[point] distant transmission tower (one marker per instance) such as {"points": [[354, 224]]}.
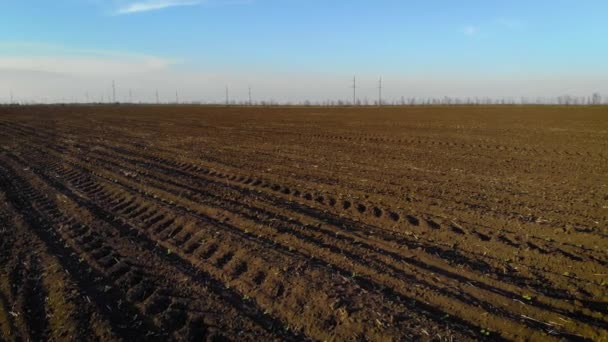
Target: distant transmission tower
{"points": [[86, 95], [12, 99], [130, 96], [250, 103], [380, 92], [354, 90], [113, 92], [157, 99], [227, 97], [176, 98]]}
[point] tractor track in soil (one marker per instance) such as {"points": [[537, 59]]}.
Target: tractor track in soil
{"points": [[163, 240]]}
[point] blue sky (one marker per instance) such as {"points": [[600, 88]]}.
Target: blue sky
{"points": [[295, 49]]}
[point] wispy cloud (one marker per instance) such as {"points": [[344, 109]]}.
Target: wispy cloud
{"points": [[470, 30], [496, 26], [153, 5], [511, 24], [59, 59]]}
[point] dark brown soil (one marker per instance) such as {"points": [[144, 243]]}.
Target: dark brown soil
{"points": [[202, 223]]}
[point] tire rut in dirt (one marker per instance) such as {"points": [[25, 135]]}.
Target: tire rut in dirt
{"points": [[138, 285]]}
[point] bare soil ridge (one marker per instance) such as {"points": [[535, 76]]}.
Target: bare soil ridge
{"points": [[191, 223]]}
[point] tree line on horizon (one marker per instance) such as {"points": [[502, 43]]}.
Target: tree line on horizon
{"points": [[567, 100]]}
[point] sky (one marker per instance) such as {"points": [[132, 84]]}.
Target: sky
{"points": [[293, 50]]}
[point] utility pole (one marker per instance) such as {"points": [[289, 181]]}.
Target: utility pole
{"points": [[157, 99], [227, 97], [113, 92], [250, 103], [354, 90], [380, 92]]}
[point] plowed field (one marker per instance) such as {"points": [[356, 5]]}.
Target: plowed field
{"points": [[194, 223]]}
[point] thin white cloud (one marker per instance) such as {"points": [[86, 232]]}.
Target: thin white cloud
{"points": [[493, 27], [470, 30], [154, 5], [34, 48], [59, 59], [511, 24], [82, 66]]}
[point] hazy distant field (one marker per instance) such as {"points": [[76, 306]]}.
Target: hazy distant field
{"points": [[314, 223]]}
